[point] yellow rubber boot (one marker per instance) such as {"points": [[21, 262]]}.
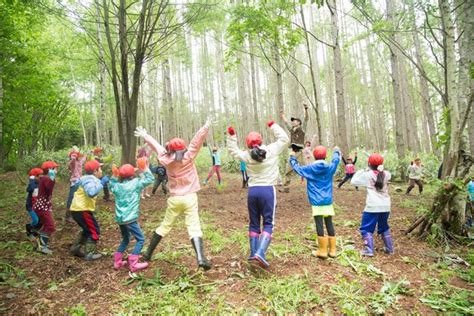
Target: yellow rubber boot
{"points": [[322, 252], [332, 246]]}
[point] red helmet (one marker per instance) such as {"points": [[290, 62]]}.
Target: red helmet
{"points": [[253, 139], [176, 144], [48, 165], [97, 150], [320, 152], [375, 160], [126, 171], [73, 153], [91, 166], [35, 172]]}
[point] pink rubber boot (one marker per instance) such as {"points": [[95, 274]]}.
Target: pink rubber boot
{"points": [[134, 265], [118, 262]]}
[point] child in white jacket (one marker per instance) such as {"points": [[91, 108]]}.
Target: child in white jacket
{"points": [[377, 205], [262, 167]]}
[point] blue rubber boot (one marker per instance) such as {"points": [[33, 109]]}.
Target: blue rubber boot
{"points": [[388, 243], [265, 240], [368, 244], [254, 243]]}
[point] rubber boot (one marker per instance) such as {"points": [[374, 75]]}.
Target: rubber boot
{"points": [[43, 244], [29, 232], [322, 252], [118, 262], [91, 248], [75, 249], [201, 259], [387, 241], [369, 245], [254, 243], [134, 265], [332, 246], [155, 240], [265, 240]]}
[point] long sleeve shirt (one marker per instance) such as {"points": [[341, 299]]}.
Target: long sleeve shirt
{"points": [[415, 172], [263, 173], [376, 201], [127, 196], [75, 168], [86, 195], [319, 177], [182, 175], [32, 191]]}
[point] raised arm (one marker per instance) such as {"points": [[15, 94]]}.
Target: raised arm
{"points": [[232, 146], [355, 158], [282, 141], [197, 141], [303, 171], [285, 120], [154, 145], [335, 160], [360, 179], [306, 117], [92, 187]]}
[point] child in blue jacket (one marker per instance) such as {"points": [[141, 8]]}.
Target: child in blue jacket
{"points": [[319, 176], [127, 190]]}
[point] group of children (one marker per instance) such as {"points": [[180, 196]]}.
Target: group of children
{"points": [[176, 160]]}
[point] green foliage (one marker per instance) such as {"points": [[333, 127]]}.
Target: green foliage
{"points": [[283, 295], [77, 310], [442, 296], [12, 276]]}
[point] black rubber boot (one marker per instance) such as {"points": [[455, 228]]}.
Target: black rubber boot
{"points": [[75, 249], [198, 247], [155, 240], [91, 247]]}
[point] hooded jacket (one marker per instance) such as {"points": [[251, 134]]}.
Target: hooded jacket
{"points": [[263, 173], [182, 175], [319, 177], [127, 196], [86, 194]]}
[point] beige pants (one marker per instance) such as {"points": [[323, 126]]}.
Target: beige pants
{"points": [[177, 205], [289, 171]]}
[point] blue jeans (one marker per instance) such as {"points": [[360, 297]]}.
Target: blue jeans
{"points": [[370, 220], [134, 229], [72, 190]]}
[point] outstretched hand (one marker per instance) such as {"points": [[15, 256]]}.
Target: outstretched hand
{"points": [[210, 121], [140, 132]]}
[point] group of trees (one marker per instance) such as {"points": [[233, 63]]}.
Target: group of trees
{"points": [[381, 75]]}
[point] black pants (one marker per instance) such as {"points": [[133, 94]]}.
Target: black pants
{"points": [[320, 227], [163, 182], [346, 178], [412, 183]]}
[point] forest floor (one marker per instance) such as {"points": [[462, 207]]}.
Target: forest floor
{"points": [[417, 279]]}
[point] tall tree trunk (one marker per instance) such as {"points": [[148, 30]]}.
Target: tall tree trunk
{"points": [[2, 148], [339, 80], [170, 124], [253, 74], [102, 130], [279, 84], [397, 99], [408, 109]]}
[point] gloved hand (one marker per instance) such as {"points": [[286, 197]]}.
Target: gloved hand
{"points": [[270, 123], [104, 180], [231, 131], [115, 171], [140, 132], [52, 174], [142, 163]]}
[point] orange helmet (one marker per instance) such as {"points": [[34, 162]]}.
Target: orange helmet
{"points": [[176, 144], [126, 171], [49, 164], [35, 172], [253, 139], [375, 160], [320, 152]]}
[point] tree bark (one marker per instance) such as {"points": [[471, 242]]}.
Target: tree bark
{"points": [[2, 149], [339, 80]]}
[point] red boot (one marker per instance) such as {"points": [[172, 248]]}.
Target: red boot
{"points": [[134, 265]]}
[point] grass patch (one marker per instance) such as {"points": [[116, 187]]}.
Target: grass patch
{"points": [[443, 297], [282, 295], [13, 277], [350, 257]]}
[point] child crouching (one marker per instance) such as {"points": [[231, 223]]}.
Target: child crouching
{"points": [[319, 176], [377, 205], [127, 190]]}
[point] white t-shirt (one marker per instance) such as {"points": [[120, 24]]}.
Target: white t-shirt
{"points": [[377, 201]]}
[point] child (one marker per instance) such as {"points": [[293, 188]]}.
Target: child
{"points": [[319, 176], [127, 190], [82, 211], [377, 205], [183, 184], [415, 171], [43, 205], [98, 152], [216, 166], [297, 130], [307, 155], [245, 177], [262, 163], [32, 189], [349, 166], [161, 178], [75, 168], [470, 204], [144, 153]]}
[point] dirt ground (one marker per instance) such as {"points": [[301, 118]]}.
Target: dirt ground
{"points": [[33, 283]]}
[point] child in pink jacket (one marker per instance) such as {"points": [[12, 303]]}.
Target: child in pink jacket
{"points": [[183, 184]]}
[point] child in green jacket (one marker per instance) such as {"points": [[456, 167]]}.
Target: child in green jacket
{"points": [[127, 189]]}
